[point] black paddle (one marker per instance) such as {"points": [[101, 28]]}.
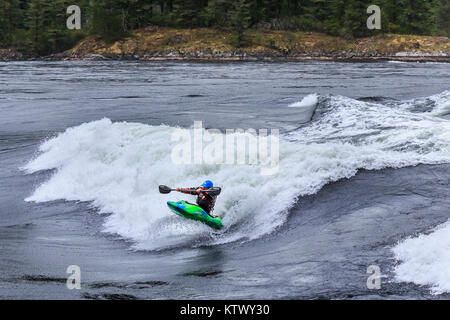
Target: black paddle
{"points": [[166, 189]]}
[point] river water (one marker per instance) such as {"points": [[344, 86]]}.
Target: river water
{"points": [[362, 182]]}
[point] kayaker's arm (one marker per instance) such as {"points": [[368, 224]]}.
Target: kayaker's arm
{"points": [[195, 191], [187, 190], [214, 192]]}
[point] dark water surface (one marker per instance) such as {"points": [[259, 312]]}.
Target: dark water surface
{"points": [[321, 251]]}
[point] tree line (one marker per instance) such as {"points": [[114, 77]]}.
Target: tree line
{"points": [[39, 26]]}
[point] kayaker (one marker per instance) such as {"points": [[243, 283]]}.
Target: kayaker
{"points": [[205, 199]]}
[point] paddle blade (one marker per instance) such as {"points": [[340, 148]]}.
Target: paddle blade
{"points": [[216, 190], [164, 189]]}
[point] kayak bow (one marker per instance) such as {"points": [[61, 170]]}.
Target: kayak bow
{"points": [[194, 212]]}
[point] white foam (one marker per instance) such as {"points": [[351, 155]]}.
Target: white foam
{"points": [[437, 105], [442, 104], [308, 101], [306, 107], [118, 167], [399, 62], [425, 260]]}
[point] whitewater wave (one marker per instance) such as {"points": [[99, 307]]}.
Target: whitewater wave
{"points": [[437, 105], [117, 166], [425, 259], [307, 102]]}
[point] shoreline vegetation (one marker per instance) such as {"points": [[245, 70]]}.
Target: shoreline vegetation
{"points": [[405, 30], [207, 44]]}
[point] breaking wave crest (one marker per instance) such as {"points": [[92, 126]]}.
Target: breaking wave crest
{"points": [[117, 166]]}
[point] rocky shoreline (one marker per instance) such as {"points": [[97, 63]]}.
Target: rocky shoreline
{"points": [[239, 56], [203, 44], [11, 55]]}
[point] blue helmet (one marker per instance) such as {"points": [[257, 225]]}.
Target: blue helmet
{"points": [[207, 184]]}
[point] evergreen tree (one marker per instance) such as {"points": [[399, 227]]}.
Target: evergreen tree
{"points": [[390, 11], [189, 13], [139, 13], [414, 16], [239, 17], [10, 16], [313, 15], [354, 22], [108, 20], [216, 13], [257, 11], [43, 22], [47, 26], [442, 17]]}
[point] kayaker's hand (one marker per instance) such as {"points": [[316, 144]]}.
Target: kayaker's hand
{"points": [[199, 190], [178, 189]]}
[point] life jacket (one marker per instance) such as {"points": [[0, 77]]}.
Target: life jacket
{"points": [[206, 201]]}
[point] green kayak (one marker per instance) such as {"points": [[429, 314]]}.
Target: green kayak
{"points": [[194, 212]]}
